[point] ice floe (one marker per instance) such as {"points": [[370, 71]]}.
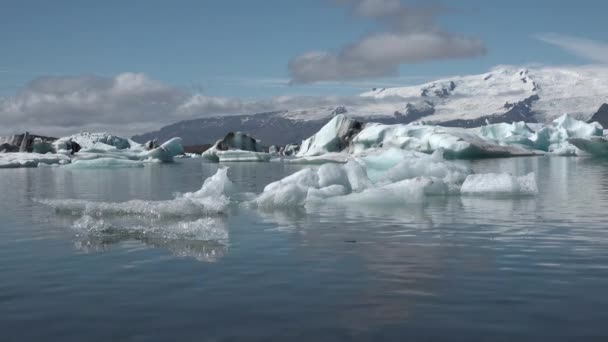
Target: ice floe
{"points": [[500, 184], [24, 159]]}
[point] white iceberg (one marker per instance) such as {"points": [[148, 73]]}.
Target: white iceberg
{"points": [[596, 146], [499, 184], [334, 136], [212, 198], [242, 156], [24, 159], [455, 142], [406, 178], [171, 148], [555, 138], [88, 140], [234, 147]]}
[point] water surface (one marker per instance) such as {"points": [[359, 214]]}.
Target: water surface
{"points": [[453, 268]]}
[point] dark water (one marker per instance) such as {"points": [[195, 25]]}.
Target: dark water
{"points": [[452, 269]]}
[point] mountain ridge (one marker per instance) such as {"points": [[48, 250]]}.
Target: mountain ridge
{"points": [[504, 94]]}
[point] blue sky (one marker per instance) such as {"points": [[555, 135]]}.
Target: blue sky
{"points": [[133, 66], [242, 47]]}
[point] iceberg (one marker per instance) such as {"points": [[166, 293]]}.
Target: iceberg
{"points": [[171, 148], [457, 143], [596, 146], [555, 138], [343, 138], [211, 199], [406, 178], [335, 136], [499, 184], [88, 140], [24, 159], [242, 156], [235, 147]]}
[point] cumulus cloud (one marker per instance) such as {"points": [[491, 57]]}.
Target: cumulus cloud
{"points": [[129, 103], [406, 35], [592, 50]]}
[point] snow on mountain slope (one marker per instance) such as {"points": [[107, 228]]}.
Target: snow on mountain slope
{"points": [[578, 91], [504, 94]]}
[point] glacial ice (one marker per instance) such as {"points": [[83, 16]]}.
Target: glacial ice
{"points": [[234, 147], [596, 146], [332, 137], [242, 156], [24, 159], [456, 142], [212, 198], [499, 184], [166, 151], [88, 140], [397, 177], [339, 141]]}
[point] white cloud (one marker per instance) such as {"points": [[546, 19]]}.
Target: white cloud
{"points": [[409, 35], [592, 50], [127, 104]]}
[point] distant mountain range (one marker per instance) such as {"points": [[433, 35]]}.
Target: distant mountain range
{"points": [[505, 94]]}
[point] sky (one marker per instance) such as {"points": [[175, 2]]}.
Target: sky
{"points": [[128, 66]]}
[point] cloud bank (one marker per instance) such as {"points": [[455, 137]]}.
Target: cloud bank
{"points": [[128, 104], [592, 50], [406, 35]]}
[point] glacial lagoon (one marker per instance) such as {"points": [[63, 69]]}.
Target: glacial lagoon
{"points": [[516, 267]]}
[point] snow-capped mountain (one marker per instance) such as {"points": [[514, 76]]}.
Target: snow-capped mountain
{"points": [[504, 94]]}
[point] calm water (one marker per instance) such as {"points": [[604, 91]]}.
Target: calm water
{"points": [[456, 268]]}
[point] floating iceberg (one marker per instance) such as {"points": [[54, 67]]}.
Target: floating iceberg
{"points": [[555, 138], [348, 137], [212, 198], [596, 146], [166, 151], [235, 147], [500, 184], [242, 156], [23, 159], [395, 176], [335, 136], [455, 142], [88, 140]]}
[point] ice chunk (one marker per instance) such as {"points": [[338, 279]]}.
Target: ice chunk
{"points": [[236, 142], [455, 142], [402, 192], [555, 138], [357, 176], [333, 174], [335, 136], [212, 198], [499, 184], [504, 133], [597, 146], [23, 159], [215, 186], [408, 179], [242, 156], [166, 151], [94, 140]]}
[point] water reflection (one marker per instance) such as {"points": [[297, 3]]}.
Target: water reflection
{"points": [[205, 239]]}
